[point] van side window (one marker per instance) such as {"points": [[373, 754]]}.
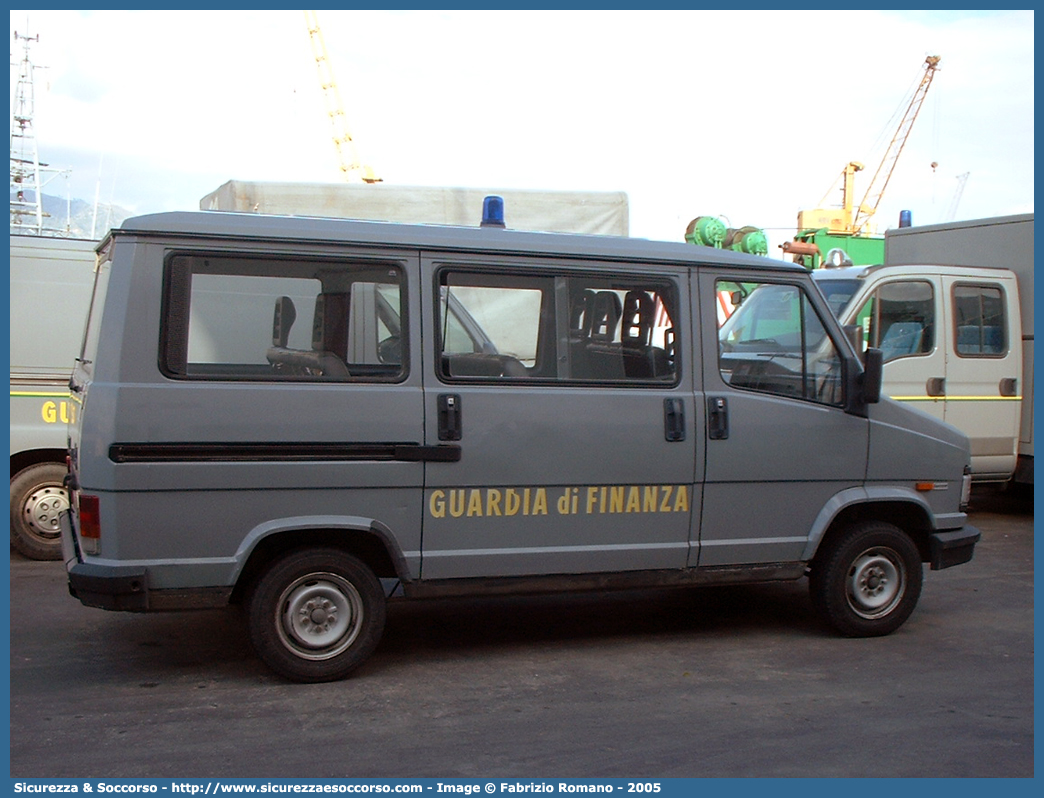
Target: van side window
{"points": [[563, 328], [899, 319], [979, 319], [775, 342], [245, 317]]}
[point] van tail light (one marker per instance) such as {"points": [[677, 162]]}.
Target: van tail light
{"points": [[90, 524]]}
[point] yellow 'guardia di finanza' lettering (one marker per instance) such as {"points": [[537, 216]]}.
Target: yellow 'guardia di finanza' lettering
{"points": [[590, 500]]}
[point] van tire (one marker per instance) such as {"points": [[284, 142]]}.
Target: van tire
{"points": [[866, 581], [38, 495], [316, 614]]}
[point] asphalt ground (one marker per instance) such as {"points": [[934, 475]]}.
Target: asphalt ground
{"points": [[698, 682]]}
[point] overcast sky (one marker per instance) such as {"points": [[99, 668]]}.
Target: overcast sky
{"points": [[749, 116]]}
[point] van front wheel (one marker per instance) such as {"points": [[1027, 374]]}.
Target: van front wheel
{"points": [[315, 615], [866, 582]]}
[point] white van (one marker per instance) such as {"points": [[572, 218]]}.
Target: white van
{"points": [[51, 283], [951, 338], [1000, 241], [313, 416]]}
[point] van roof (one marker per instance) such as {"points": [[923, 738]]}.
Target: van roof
{"points": [[222, 225], [862, 272]]}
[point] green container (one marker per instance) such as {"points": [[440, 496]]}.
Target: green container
{"points": [[863, 250]]}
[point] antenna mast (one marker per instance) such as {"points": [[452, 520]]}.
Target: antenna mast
{"points": [[28, 175]]}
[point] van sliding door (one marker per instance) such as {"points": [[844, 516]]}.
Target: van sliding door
{"points": [[565, 388]]}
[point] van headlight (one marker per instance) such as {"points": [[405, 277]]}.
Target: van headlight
{"points": [[966, 489]]}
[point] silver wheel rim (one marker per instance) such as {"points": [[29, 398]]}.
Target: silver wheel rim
{"points": [[319, 616], [876, 583], [42, 508]]}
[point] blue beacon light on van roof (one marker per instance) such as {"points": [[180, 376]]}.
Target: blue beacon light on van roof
{"points": [[493, 212]]}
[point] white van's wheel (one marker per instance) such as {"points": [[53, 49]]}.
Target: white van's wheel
{"points": [[315, 615], [867, 581], [38, 496]]}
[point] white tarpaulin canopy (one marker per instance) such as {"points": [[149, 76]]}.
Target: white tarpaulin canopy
{"points": [[593, 212]]}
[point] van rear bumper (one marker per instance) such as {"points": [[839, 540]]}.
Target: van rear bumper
{"points": [[110, 587], [952, 547], [126, 588]]}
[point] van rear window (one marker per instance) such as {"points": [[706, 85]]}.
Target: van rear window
{"points": [[979, 318], [245, 317]]}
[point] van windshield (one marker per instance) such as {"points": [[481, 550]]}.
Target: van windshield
{"points": [[838, 292]]}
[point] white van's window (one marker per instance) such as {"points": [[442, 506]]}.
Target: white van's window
{"points": [[562, 328], [979, 318], [899, 319], [775, 342], [229, 317], [92, 331]]}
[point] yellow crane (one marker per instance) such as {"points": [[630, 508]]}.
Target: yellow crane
{"points": [[874, 192], [822, 229], [851, 219], [352, 169]]}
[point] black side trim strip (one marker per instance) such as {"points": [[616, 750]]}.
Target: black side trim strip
{"points": [[554, 583], [280, 452]]}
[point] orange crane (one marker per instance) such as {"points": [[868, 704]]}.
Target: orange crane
{"points": [[352, 169]]}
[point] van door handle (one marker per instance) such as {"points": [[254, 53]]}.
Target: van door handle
{"points": [[1009, 386], [674, 419], [449, 417], [717, 418], [936, 386]]}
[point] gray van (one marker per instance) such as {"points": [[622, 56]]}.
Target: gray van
{"points": [[311, 417]]}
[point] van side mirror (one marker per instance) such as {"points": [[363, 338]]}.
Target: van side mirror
{"points": [[854, 334], [873, 370]]}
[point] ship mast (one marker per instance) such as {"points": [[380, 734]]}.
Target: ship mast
{"points": [[28, 175]]}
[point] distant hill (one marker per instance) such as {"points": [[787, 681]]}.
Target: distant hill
{"points": [[80, 217]]}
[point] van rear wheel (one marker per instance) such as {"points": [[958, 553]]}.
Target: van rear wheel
{"points": [[38, 497], [866, 582], [315, 615]]}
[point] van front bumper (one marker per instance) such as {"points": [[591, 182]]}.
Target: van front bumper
{"points": [[952, 547]]}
